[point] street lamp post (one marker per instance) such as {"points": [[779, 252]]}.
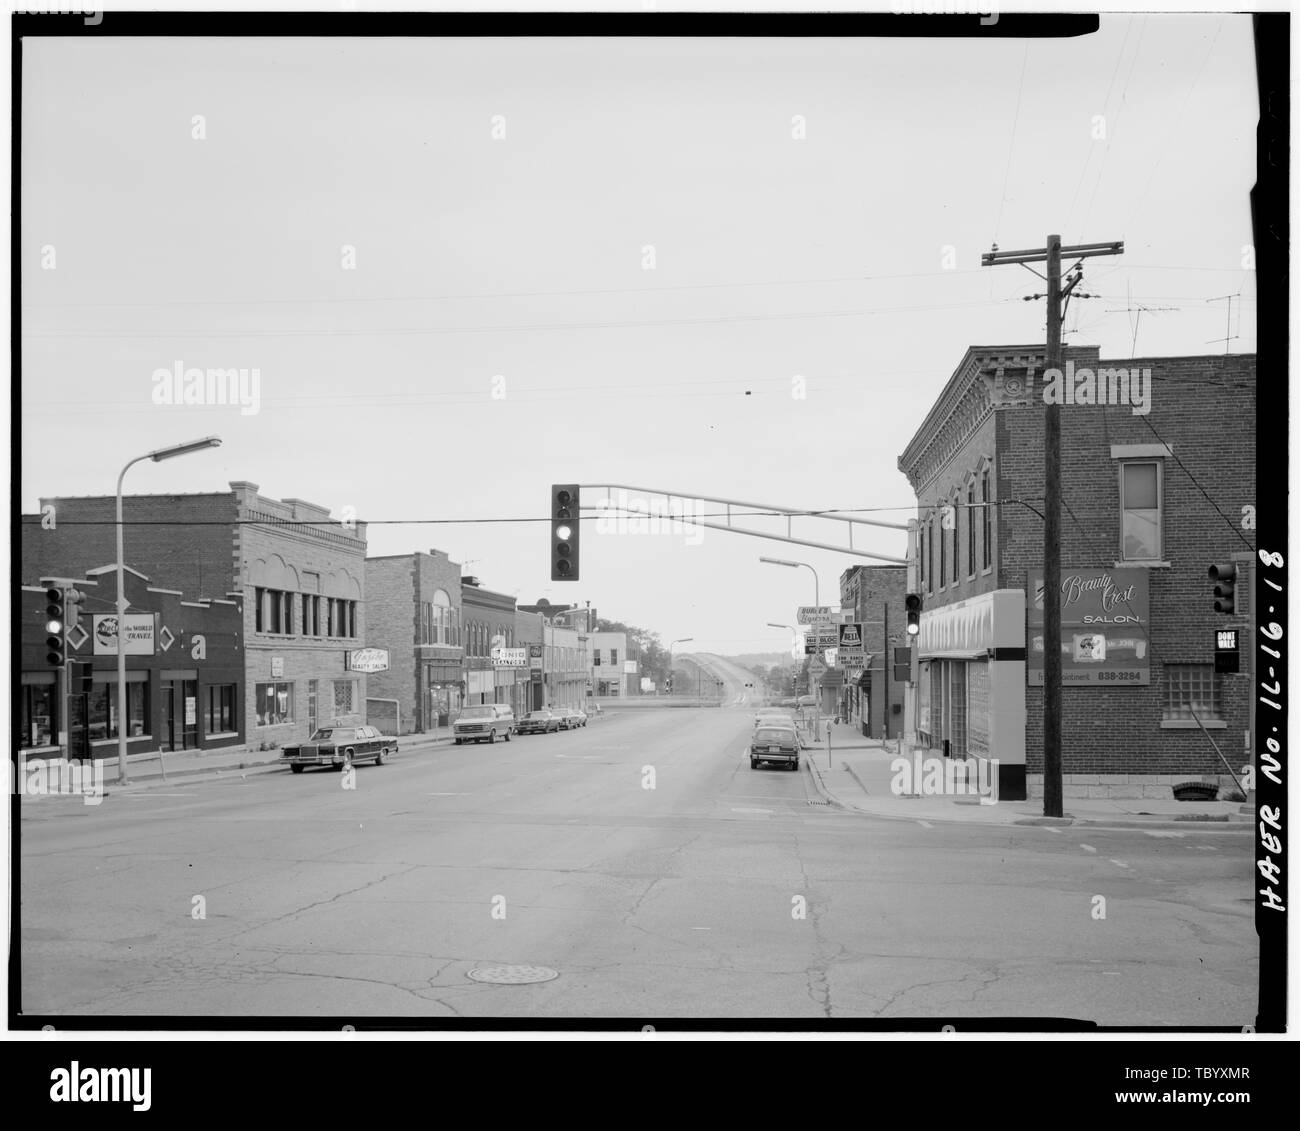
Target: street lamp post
{"points": [[683, 640], [817, 585], [157, 456], [817, 588]]}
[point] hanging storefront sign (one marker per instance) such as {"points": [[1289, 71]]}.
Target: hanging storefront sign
{"points": [[1105, 627], [367, 660]]}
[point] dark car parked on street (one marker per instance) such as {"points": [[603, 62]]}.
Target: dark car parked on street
{"points": [[341, 746], [538, 722], [774, 744]]}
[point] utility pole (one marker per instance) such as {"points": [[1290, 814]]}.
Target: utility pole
{"points": [[1051, 256]]}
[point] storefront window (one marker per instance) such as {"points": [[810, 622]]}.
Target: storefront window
{"points": [[219, 708], [345, 694], [274, 704], [102, 718], [39, 719]]}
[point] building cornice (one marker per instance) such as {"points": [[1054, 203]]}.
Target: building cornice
{"points": [[988, 378]]}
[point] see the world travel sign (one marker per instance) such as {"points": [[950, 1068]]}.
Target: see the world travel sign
{"points": [[1105, 627]]}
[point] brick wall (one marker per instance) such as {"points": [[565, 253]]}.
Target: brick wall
{"points": [[1204, 409], [878, 588], [183, 542], [392, 622]]}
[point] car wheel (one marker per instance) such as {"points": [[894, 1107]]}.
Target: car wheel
{"points": [[507, 734], [297, 769], [492, 737], [382, 756], [347, 761], [753, 763]]}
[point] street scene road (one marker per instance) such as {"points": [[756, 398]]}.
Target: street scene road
{"points": [[642, 860]]}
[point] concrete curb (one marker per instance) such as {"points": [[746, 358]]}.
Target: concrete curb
{"points": [[195, 775], [816, 775], [816, 772], [854, 775]]}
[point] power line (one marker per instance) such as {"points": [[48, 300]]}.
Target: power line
{"points": [[403, 331], [1011, 147]]}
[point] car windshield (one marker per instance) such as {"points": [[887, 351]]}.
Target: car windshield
{"points": [[538, 715], [328, 734], [476, 713], [774, 734]]}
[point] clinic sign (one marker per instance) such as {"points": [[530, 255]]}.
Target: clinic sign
{"points": [[1105, 627], [139, 634]]}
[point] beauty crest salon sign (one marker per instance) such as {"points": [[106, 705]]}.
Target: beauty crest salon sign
{"points": [[368, 660], [1105, 627]]}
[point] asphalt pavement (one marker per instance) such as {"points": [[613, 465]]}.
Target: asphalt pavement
{"points": [[639, 866]]}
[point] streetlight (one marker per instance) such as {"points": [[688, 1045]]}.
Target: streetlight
{"points": [[158, 456], [817, 585], [683, 640]]}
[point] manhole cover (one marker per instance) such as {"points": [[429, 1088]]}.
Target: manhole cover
{"points": [[513, 975]]}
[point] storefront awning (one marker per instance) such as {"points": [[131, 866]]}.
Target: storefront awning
{"points": [[972, 628]]}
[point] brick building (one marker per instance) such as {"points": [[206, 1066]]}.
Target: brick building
{"points": [[489, 622], [413, 611], [298, 574], [870, 697], [184, 669], [1137, 535]]}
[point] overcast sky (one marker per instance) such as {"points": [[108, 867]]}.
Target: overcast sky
{"points": [[520, 257]]}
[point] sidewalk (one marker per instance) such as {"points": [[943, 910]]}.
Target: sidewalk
{"points": [[189, 766], [856, 774], [201, 765]]}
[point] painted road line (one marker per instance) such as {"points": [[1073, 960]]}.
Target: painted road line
{"points": [[1087, 848], [925, 824], [1118, 863], [1162, 833]]}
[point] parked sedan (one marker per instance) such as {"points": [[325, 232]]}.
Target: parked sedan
{"points": [[571, 718], [339, 747], [778, 744], [776, 719], [538, 722]]}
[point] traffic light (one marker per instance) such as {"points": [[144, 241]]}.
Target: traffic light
{"points": [[912, 602], [55, 624], [72, 599], [668, 683], [1225, 574], [565, 528]]}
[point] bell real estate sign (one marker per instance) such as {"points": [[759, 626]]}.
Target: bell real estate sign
{"points": [[139, 634], [368, 660], [1105, 627], [509, 657]]}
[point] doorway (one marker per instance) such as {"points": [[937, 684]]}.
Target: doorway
{"points": [[180, 714]]}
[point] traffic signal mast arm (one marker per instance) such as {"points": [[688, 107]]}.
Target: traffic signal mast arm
{"points": [[686, 508]]}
